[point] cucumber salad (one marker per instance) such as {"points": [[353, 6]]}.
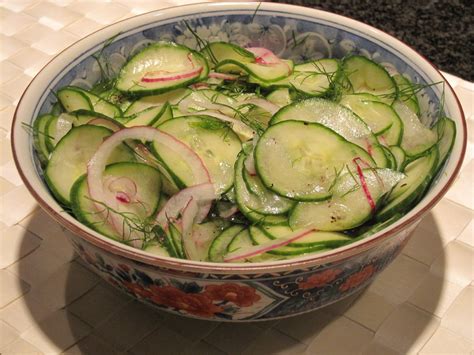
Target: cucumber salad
{"points": [[230, 154]]}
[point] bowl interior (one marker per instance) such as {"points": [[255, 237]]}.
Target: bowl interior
{"points": [[291, 32]]}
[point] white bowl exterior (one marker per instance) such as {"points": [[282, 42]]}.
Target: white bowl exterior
{"points": [[84, 48]]}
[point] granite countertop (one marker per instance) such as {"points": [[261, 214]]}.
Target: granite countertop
{"points": [[441, 30], [51, 303]]}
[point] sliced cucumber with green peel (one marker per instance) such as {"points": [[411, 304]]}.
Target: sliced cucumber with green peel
{"points": [[40, 136], [339, 119], [315, 78], [219, 245], [380, 117], [399, 155], [260, 199], [146, 181], [406, 93], [265, 73], [392, 163], [73, 99], [204, 236], [417, 139], [151, 116], [419, 174], [300, 160], [243, 196], [216, 52], [156, 248], [205, 99], [240, 241], [367, 76], [211, 139], [328, 239], [280, 97], [175, 241], [259, 237], [354, 201], [161, 67], [69, 159], [172, 97], [446, 130]]}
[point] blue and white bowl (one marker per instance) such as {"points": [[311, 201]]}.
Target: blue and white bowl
{"points": [[236, 292]]}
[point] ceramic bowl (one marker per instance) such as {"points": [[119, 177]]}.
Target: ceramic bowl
{"points": [[237, 292]]}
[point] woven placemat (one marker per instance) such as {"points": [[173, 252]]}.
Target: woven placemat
{"points": [[50, 303]]}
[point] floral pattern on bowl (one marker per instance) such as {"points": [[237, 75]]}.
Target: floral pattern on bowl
{"points": [[250, 297]]}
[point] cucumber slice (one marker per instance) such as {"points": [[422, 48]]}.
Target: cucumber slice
{"points": [[368, 230], [261, 199], [419, 174], [280, 97], [40, 136], [150, 116], [219, 245], [336, 117], [156, 249], [399, 155], [69, 159], [73, 99], [213, 140], [241, 241], [175, 242], [380, 117], [417, 139], [161, 67], [315, 78], [242, 196], [365, 75], [392, 163], [172, 97], [216, 52], [261, 72], [446, 131], [300, 160], [145, 178], [406, 93], [204, 236], [259, 237], [204, 99], [57, 127], [328, 239], [352, 203]]}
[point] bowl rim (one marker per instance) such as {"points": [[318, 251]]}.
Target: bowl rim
{"points": [[308, 261]]}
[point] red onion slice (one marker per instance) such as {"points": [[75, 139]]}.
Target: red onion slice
{"points": [[202, 194], [264, 247], [161, 75], [224, 76], [96, 167], [365, 188], [264, 56], [264, 104]]}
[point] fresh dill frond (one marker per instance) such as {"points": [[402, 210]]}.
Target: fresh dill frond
{"points": [[255, 12], [34, 130]]}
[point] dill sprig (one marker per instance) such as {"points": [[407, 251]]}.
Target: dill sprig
{"points": [[255, 12], [105, 80], [34, 130], [249, 121], [131, 223]]}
